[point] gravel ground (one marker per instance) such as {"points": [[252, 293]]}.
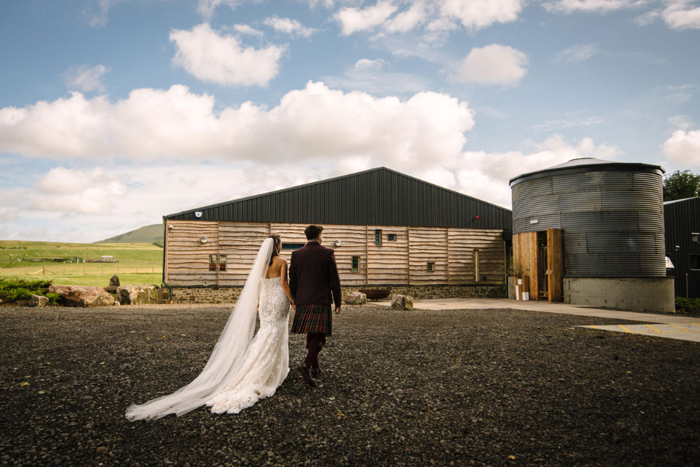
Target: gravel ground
{"points": [[494, 387]]}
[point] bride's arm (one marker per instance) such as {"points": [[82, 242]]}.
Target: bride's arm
{"points": [[285, 284]]}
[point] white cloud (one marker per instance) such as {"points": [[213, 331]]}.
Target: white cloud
{"points": [[77, 192], [365, 64], [647, 18], [492, 65], [85, 78], [409, 19], [247, 30], [682, 122], [683, 147], [562, 124], [368, 75], [682, 14], [477, 14], [485, 175], [355, 19], [311, 123], [220, 59], [289, 26], [100, 18], [577, 53], [206, 7], [440, 16], [590, 6]]}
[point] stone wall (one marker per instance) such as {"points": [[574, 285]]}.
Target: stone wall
{"points": [[204, 294], [231, 294]]}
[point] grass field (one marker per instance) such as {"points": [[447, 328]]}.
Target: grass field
{"points": [[138, 263]]}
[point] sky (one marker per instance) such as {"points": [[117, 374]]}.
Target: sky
{"points": [[114, 113]]}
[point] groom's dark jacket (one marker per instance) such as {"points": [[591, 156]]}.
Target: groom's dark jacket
{"points": [[313, 276]]}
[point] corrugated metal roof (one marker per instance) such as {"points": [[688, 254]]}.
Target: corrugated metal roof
{"points": [[379, 196], [587, 164]]}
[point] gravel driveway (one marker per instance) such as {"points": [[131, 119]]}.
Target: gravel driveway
{"points": [[471, 387]]}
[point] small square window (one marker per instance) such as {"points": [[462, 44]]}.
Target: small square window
{"points": [[377, 237], [292, 246], [431, 266], [222, 262], [694, 261], [355, 264], [212, 262], [695, 237], [392, 237]]}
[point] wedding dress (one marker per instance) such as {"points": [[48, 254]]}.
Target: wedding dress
{"points": [[267, 361], [241, 370]]}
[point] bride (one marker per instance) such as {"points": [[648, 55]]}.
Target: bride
{"points": [[241, 369]]}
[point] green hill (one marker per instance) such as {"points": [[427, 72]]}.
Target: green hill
{"points": [[148, 234]]}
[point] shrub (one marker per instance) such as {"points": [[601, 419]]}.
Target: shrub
{"points": [[53, 297], [691, 305], [19, 293], [21, 289]]}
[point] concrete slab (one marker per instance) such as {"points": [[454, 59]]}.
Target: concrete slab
{"points": [[666, 325], [684, 332]]}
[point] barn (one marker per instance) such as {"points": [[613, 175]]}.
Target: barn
{"points": [[388, 230], [682, 223]]}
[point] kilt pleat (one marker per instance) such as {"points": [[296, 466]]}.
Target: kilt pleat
{"points": [[313, 318]]}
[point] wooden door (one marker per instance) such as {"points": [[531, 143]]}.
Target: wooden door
{"points": [[555, 265]]}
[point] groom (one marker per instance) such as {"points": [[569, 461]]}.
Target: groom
{"points": [[313, 275]]}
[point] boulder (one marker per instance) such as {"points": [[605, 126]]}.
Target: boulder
{"points": [[402, 302], [356, 298], [114, 281], [137, 294], [82, 295], [38, 300]]}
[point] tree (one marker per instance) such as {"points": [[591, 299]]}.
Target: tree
{"points": [[680, 185]]}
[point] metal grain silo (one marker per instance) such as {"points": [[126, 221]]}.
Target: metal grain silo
{"points": [[591, 232]]}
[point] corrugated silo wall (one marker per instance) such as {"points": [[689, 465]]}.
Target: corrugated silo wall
{"points": [[612, 220]]}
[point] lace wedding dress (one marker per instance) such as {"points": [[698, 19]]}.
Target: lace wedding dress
{"points": [[266, 363], [241, 370]]}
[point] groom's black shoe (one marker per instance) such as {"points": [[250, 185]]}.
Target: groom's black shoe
{"points": [[315, 373], [304, 370]]}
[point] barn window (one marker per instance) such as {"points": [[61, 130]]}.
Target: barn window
{"points": [[222, 262], [476, 266], [694, 261], [431, 266], [392, 237], [695, 237], [355, 264], [212, 262], [378, 237], [292, 246]]}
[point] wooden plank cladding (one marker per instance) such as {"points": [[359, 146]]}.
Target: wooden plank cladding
{"points": [[366, 255]]}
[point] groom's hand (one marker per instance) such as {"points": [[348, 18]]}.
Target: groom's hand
{"points": [[337, 310]]}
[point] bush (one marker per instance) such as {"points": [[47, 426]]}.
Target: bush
{"points": [[19, 294], [53, 297], [21, 289], [691, 305]]}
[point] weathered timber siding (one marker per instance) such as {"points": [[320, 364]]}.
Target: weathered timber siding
{"points": [[400, 262], [388, 263], [187, 258]]}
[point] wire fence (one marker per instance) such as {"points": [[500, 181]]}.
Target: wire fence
{"points": [[89, 270]]}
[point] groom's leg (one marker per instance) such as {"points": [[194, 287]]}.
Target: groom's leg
{"points": [[314, 344]]}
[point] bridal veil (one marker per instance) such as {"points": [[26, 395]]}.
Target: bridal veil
{"points": [[226, 358]]}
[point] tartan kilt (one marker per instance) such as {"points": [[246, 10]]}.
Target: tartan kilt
{"points": [[313, 318]]}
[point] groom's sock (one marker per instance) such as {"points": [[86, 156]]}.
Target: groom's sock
{"points": [[314, 343]]}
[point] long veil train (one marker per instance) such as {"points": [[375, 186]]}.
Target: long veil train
{"points": [[226, 358]]}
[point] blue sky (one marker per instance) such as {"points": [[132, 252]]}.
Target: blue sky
{"points": [[116, 112]]}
